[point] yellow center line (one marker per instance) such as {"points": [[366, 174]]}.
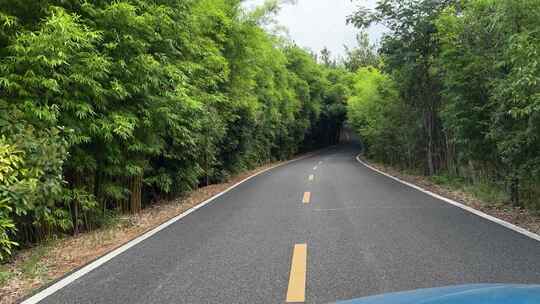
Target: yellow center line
{"points": [[311, 177], [296, 293], [307, 197]]}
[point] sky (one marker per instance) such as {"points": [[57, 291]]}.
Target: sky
{"points": [[316, 24]]}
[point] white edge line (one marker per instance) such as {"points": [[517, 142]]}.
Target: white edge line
{"points": [[452, 202], [107, 257]]}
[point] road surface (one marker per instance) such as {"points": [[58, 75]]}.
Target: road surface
{"points": [[319, 230]]}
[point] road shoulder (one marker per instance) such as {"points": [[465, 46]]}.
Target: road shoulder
{"points": [[520, 220], [48, 267]]}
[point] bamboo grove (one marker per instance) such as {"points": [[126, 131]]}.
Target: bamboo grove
{"points": [[456, 94], [109, 106]]}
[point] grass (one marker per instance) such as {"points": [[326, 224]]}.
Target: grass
{"points": [[483, 190], [5, 275], [33, 267], [448, 181], [489, 193]]}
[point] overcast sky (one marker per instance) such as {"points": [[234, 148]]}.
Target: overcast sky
{"points": [[316, 24]]}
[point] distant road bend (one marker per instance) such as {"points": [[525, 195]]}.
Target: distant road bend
{"points": [[317, 230]]}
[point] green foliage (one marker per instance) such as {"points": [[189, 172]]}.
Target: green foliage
{"points": [[363, 55], [408, 52], [5, 275], [10, 162], [491, 79], [107, 106], [467, 77], [376, 111]]}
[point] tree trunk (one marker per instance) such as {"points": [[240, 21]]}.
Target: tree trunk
{"points": [[429, 129], [514, 192], [76, 181], [135, 199], [75, 217]]}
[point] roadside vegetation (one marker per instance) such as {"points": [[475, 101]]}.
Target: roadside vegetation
{"points": [[41, 264], [455, 95], [109, 106]]}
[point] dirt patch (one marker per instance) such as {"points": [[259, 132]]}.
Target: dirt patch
{"points": [[520, 217], [35, 267]]}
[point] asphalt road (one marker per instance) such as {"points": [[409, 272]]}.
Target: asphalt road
{"points": [[364, 234]]}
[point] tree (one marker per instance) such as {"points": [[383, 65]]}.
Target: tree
{"points": [[468, 82], [382, 120], [326, 58], [409, 50], [363, 55], [488, 60], [109, 106]]}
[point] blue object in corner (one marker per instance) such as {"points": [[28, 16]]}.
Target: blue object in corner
{"points": [[463, 294]]}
